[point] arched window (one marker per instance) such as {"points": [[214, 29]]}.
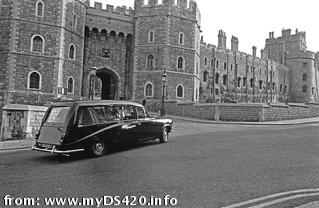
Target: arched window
{"points": [[205, 62], [212, 63], [251, 83], [148, 91], [217, 78], [225, 66], [150, 61], [260, 84], [217, 64], [151, 36], [75, 21], [239, 82], [181, 38], [37, 44], [180, 63], [280, 88], [180, 91], [39, 8], [205, 76], [224, 79], [304, 77], [245, 82], [70, 85], [304, 88], [72, 52], [34, 80]]}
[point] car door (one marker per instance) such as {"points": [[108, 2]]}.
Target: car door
{"points": [[147, 128], [130, 130]]}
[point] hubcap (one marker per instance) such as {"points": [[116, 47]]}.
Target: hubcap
{"points": [[99, 147]]}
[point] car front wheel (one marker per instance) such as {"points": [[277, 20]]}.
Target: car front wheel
{"points": [[98, 148], [164, 135]]}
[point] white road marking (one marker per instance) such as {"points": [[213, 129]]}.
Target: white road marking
{"points": [[271, 196], [277, 201]]}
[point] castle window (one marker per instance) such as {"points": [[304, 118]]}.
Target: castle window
{"points": [[70, 86], [72, 52], [217, 64], [273, 86], [231, 67], [225, 66], [216, 91], [205, 77], [313, 90], [74, 23], [212, 63], [238, 81], [37, 44], [224, 79], [285, 89], [39, 9], [34, 80], [181, 38], [148, 91], [304, 64], [180, 63], [260, 72], [245, 82], [150, 61], [251, 83], [205, 61], [304, 77], [151, 36], [180, 91], [260, 84], [304, 88], [280, 88], [217, 78]]}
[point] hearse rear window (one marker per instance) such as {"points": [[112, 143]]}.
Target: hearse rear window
{"points": [[57, 115]]}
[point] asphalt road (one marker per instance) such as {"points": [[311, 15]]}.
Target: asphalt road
{"points": [[203, 165]]}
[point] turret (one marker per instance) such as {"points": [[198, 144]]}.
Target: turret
{"points": [[222, 39]]}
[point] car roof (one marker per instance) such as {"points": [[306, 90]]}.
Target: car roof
{"points": [[94, 102]]}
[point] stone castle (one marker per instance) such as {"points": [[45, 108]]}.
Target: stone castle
{"points": [[48, 48]]}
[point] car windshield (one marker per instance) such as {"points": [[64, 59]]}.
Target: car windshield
{"points": [[57, 115]]}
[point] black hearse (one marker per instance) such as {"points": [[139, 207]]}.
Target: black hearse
{"points": [[74, 126]]}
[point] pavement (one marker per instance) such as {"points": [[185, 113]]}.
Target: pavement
{"points": [[310, 205], [24, 144]]}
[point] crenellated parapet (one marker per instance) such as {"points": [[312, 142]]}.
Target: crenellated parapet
{"points": [[112, 10], [171, 7]]}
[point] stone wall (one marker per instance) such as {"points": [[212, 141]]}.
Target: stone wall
{"points": [[247, 112]]}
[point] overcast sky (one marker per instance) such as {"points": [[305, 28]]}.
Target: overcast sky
{"points": [[252, 20]]}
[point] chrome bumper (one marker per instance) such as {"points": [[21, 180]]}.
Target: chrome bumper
{"points": [[54, 150]]}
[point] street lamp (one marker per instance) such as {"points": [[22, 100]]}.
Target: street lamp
{"points": [[164, 76], [92, 82]]}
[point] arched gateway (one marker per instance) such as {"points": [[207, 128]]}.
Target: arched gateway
{"points": [[107, 84]]}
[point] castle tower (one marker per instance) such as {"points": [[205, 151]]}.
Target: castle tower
{"points": [[167, 37], [291, 50], [43, 51], [222, 39]]}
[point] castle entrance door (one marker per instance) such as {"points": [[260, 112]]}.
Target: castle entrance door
{"points": [[107, 85]]}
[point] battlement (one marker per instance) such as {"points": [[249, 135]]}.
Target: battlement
{"points": [[111, 9], [173, 7]]}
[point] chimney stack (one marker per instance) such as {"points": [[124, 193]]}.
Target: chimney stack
{"points": [[234, 43]]}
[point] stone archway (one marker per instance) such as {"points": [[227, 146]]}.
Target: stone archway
{"points": [[108, 85]]}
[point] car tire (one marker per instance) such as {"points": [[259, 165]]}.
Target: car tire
{"points": [[98, 148], [164, 135]]}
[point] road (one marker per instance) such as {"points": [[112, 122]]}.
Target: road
{"points": [[203, 165]]}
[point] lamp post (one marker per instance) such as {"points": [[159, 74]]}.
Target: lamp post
{"points": [[92, 82], [164, 75]]}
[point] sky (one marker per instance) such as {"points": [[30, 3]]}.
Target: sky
{"points": [[252, 20]]}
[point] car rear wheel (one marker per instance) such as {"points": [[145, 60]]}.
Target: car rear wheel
{"points": [[98, 148], [164, 135]]}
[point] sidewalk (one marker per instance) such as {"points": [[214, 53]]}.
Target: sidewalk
{"points": [[268, 123], [24, 144], [310, 205]]}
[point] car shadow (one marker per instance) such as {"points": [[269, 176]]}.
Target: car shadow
{"points": [[113, 149]]}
